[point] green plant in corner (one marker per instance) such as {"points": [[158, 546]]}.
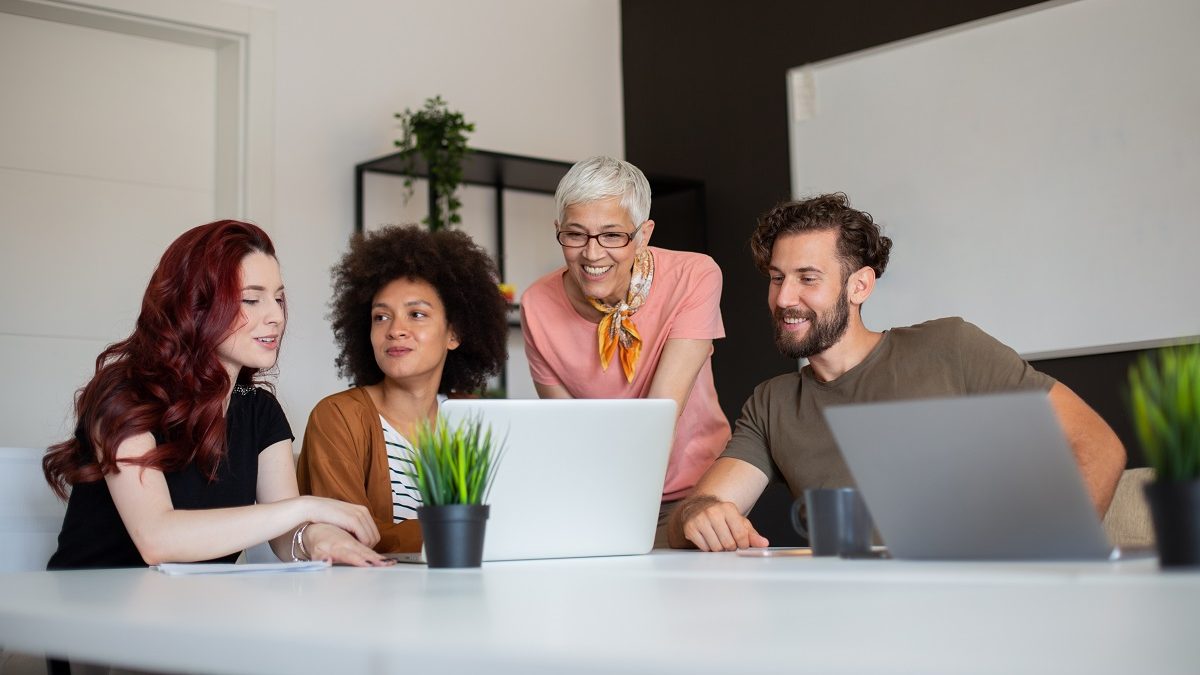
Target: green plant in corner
{"points": [[439, 136], [454, 464], [1164, 401]]}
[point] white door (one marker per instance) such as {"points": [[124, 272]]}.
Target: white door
{"points": [[110, 147]]}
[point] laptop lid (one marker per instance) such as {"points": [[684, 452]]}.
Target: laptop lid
{"points": [[987, 477], [579, 477]]}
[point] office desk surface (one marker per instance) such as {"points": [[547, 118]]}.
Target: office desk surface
{"points": [[669, 612]]}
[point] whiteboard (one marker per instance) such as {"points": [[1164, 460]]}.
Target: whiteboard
{"points": [[1038, 172]]}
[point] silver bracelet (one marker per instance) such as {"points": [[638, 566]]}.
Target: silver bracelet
{"points": [[298, 540]]}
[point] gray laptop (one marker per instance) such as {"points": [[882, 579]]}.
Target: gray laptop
{"points": [[579, 477], [987, 477]]}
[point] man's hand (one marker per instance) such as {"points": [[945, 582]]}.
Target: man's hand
{"points": [[713, 525]]}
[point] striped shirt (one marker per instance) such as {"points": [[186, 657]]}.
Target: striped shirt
{"points": [[405, 498]]}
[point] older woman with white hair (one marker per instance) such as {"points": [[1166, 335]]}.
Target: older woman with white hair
{"points": [[624, 319]]}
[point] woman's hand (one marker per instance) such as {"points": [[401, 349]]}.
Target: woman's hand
{"points": [[326, 542], [352, 518]]}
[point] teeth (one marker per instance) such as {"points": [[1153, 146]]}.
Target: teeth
{"points": [[793, 320], [265, 339], [595, 270]]}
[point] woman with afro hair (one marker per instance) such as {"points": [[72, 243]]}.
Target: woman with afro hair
{"points": [[417, 316]]}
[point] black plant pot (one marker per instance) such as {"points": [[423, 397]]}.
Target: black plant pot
{"points": [[1175, 509], [453, 534]]}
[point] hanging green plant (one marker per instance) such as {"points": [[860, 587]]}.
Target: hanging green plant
{"points": [[439, 136]]}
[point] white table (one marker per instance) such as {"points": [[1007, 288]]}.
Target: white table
{"points": [[670, 612]]}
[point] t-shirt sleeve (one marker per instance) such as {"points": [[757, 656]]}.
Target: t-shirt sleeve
{"points": [[988, 365], [699, 315], [749, 442], [270, 422], [533, 311]]}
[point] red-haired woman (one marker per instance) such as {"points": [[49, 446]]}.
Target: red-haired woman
{"points": [[178, 456]]}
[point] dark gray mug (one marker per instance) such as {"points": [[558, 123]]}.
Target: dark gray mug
{"points": [[838, 522]]}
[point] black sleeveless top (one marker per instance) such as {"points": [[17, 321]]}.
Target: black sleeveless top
{"points": [[93, 534]]}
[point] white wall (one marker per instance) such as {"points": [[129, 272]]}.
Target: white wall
{"points": [[1037, 171], [537, 77], [88, 199]]}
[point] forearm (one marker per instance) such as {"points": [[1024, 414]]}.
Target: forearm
{"points": [[191, 535], [675, 376], [282, 545], [722, 497]]}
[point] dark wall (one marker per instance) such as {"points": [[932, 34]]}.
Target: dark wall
{"points": [[705, 98], [1100, 380]]}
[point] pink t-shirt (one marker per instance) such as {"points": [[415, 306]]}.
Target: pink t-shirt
{"points": [[684, 302]]}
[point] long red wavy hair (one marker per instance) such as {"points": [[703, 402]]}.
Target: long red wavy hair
{"points": [[166, 377]]}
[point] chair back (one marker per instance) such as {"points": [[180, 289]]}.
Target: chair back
{"points": [[1128, 521], [30, 514]]}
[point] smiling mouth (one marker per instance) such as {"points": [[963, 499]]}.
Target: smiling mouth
{"points": [[596, 271], [792, 321], [268, 341]]}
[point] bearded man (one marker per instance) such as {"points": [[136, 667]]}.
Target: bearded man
{"points": [[823, 258]]}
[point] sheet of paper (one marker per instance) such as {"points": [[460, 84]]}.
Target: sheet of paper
{"points": [[776, 552], [180, 569]]}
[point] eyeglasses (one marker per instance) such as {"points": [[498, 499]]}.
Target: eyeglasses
{"points": [[573, 239]]}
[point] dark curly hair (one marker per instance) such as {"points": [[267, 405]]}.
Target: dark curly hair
{"points": [[860, 243], [464, 277]]}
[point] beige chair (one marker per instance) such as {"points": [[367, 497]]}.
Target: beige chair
{"points": [[1127, 522]]}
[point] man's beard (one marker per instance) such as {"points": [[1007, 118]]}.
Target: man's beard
{"points": [[823, 331]]}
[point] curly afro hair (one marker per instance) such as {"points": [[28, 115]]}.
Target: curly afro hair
{"points": [[464, 277]]}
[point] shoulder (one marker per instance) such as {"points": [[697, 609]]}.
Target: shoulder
{"points": [[545, 295], [136, 445], [687, 274], [769, 400], [545, 286], [951, 328], [953, 338], [684, 262], [783, 386], [349, 403], [254, 399]]}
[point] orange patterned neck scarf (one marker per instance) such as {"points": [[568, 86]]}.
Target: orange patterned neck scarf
{"points": [[616, 332]]}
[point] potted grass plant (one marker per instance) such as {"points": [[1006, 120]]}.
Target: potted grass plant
{"points": [[452, 468], [1164, 401]]}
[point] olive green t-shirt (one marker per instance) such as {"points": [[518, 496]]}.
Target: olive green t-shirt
{"points": [[783, 433]]}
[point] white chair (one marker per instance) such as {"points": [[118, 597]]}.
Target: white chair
{"points": [[30, 518], [30, 514]]}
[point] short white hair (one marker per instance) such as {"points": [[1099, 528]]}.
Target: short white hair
{"points": [[601, 177]]}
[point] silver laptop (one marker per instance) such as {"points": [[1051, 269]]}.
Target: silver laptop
{"points": [[987, 477], [578, 478]]}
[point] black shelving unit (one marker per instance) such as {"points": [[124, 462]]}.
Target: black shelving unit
{"points": [[675, 199]]}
